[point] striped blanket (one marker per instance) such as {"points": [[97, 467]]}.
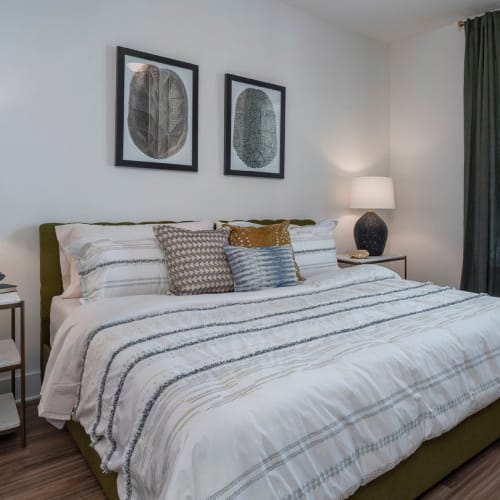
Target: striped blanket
{"points": [[305, 392]]}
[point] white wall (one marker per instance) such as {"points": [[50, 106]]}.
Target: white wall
{"points": [[426, 150], [57, 95]]}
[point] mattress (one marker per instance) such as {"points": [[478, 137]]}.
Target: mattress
{"points": [[309, 391], [60, 309]]}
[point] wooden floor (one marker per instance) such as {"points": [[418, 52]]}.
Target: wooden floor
{"points": [[51, 467]]}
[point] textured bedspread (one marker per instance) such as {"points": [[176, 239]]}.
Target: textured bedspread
{"points": [[303, 392]]}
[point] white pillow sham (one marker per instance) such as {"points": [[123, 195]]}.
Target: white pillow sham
{"points": [[119, 268], [76, 235], [314, 247]]}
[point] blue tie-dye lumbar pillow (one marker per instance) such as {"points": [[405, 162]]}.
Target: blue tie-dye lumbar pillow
{"points": [[261, 267]]}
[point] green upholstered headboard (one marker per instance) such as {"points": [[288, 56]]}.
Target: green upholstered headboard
{"points": [[50, 272]]}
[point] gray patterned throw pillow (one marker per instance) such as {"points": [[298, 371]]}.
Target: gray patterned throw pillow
{"points": [[196, 260]]}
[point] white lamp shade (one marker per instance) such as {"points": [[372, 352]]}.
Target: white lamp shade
{"points": [[372, 193]]}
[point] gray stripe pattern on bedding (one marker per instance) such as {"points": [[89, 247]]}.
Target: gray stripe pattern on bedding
{"points": [[281, 456], [148, 354], [337, 468], [168, 383], [193, 363], [239, 331], [92, 335]]}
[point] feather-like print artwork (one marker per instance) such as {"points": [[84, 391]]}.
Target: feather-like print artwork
{"points": [[157, 111]]}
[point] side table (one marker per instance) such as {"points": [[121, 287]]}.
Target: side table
{"points": [[12, 359], [347, 259]]}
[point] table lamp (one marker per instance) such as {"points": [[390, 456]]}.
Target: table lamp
{"points": [[370, 231]]}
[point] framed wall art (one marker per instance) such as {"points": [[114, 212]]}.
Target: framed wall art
{"points": [[156, 112], [254, 128]]}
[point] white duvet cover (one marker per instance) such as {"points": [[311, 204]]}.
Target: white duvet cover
{"points": [[308, 391]]}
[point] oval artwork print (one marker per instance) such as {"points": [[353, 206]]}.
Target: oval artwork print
{"points": [[157, 111], [255, 138]]}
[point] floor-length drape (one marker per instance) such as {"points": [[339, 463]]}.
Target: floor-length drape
{"points": [[481, 263]]}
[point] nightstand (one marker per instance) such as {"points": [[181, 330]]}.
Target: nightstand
{"points": [[12, 359], [347, 259]]}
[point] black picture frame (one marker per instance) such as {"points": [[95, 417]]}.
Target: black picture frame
{"points": [[234, 165], [123, 137]]}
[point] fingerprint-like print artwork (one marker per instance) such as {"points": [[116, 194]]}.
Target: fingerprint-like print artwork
{"points": [[254, 137], [157, 111]]}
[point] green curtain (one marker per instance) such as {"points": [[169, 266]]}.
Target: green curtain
{"points": [[481, 263]]}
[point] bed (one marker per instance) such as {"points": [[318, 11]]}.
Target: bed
{"points": [[433, 456]]}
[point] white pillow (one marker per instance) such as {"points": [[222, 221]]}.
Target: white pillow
{"points": [[119, 268], [75, 235], [314, 247]]}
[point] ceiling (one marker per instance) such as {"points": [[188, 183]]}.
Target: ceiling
{"points": [[392, 20]]}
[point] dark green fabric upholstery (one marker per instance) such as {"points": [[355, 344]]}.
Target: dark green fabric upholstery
{"points": [[50, 279]]}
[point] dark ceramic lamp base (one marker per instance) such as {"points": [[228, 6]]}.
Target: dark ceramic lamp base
{"points": [[370, 233]]}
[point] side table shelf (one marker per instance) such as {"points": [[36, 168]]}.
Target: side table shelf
{"points": [[9, 418], [12, 359]]}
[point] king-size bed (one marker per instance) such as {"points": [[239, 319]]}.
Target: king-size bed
{"points": [[354, 382]]}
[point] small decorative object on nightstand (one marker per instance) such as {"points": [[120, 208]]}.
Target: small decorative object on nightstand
{"points": [[12, 359], [370, 232], [345, 258], [360, 254]]}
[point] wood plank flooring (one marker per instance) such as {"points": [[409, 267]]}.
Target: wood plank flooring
{"points": [[51, 467], [478, 479]]}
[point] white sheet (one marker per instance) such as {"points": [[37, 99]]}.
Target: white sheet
{"points": [[60, 309], [309, 391]]}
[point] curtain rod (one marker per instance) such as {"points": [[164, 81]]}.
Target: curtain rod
{"points": [[461, 22]]}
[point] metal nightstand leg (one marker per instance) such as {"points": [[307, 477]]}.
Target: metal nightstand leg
{"points": [[23, 382], [13, 337]]}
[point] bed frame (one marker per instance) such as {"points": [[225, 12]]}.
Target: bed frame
{"points": [[434, 460]]}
